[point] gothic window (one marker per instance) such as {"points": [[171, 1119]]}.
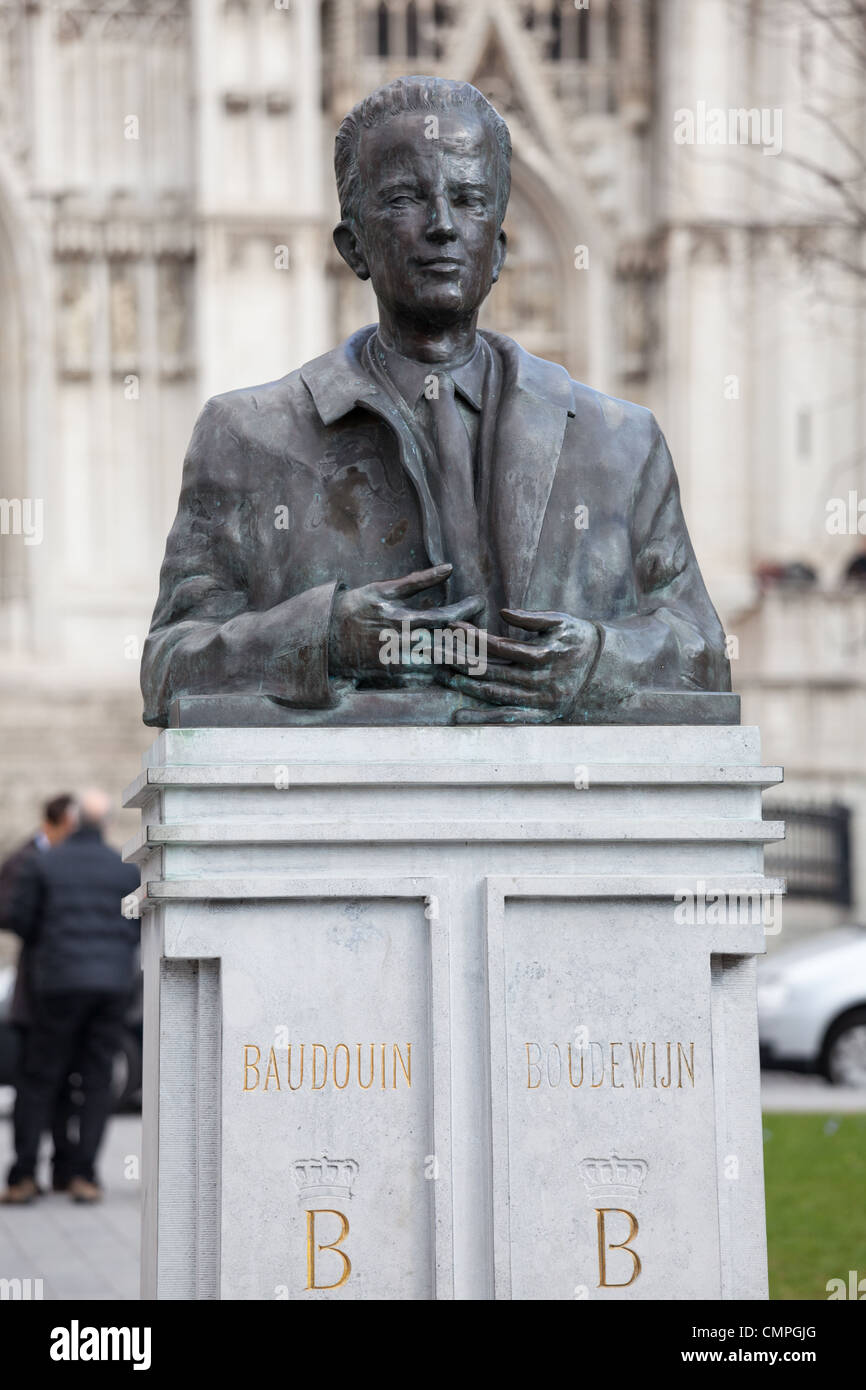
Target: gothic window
{"points": [[396, 30], [568, 30], [411, 30], [382, 30], [583, 36], [554, 51], [612, 30], [583, 46]]}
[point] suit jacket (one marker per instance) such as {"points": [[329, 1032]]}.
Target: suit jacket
{"points": [[65, 905], [312, 482]]}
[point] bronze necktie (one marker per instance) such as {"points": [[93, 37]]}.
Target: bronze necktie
{"points": [[454, 492]]}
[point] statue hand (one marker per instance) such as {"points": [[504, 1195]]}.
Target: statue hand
{"points": [[355, 645], [543, 674]]}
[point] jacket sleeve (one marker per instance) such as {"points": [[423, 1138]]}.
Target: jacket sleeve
{"points": [[674, 641], [8, 871], [23, 898], [204, 637]]}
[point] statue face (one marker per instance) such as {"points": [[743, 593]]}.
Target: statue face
{"points": [[429, 236]]}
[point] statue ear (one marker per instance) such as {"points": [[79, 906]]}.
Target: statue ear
{"points": [[499, 256], [349, 247]]}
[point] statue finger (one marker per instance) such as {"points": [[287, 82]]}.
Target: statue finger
{"points": [[450, 615], [532, 622], [507, 649], [493, 691], [414, 583]]}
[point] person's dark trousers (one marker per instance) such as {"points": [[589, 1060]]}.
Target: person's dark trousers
{"points": [[81, 1030], [64, 1110]]}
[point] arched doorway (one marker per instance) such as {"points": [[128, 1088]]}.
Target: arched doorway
{"points": [[539, 298]]}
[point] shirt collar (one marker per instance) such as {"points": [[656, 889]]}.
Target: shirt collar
{"points": [[337, 382], [411, 377]]}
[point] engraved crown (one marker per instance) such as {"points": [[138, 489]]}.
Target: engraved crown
{"points": [[613, 1177], [324, 1177]]}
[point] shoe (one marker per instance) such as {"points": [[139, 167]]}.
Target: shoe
{"points": [[82, 1190], [19, 1194]]}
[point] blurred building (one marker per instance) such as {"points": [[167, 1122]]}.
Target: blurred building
{"points": [[166, 204]]}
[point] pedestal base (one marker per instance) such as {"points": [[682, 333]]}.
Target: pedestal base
{"points": [[453, 1012]]}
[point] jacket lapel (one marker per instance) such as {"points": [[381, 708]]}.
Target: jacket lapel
{"points": [[338, 381], [536, 402]]}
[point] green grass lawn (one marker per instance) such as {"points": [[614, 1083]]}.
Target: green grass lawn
{"points": [[815, 1169]]}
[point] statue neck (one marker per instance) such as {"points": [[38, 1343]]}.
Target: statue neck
{"points": [[452, 345]]}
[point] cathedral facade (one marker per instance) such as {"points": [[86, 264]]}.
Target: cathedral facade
{"points": [[166, 207]]}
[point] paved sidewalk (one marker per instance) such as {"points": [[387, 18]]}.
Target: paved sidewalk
{"points": [[793, 1092], [79, 1251]]}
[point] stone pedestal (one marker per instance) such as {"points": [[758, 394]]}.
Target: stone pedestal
{"points": [[453, 1012]]}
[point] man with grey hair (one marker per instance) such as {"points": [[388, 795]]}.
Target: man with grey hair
{"points": [[425, 474], [65, 904]]}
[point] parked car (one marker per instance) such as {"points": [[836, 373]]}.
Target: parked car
{"points": [[812, 1006], [126, 1082]]}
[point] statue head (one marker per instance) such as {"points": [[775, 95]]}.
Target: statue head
{"points": [[423, 170]]}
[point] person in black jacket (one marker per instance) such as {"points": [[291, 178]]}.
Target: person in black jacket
{"points": [[66, 905], [59, 819]]}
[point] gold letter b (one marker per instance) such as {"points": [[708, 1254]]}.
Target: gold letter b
{"points": [[603, 1248], [312, 1247]]}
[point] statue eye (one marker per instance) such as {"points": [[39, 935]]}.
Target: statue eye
{"points": [[474, 201]]}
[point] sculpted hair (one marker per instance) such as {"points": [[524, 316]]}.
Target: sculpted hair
{"points": [[433, 94]]}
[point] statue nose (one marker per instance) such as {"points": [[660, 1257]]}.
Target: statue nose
{"points": [[440, 222]]}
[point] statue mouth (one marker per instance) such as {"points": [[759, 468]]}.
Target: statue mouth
{"points": [[443, 263]]}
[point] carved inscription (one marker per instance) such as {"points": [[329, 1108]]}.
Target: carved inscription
{"points": [[314, 1246], [616, 1065], [320, 1066], [605, 1244]]}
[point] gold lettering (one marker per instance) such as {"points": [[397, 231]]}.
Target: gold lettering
{"points": [[383, 1066], [372, 1064], [638, 1053], [301, 1077], [348, 1066], [574, 1083], [668, 1082], [653, 1046], [323, 1048], [312, 1247], [603, 1248], [272, 1066], [407, 1071], [530, 1086], [553, 1050], [614, 1063], [689, 1066], [595, 1084], [251, 1066]]}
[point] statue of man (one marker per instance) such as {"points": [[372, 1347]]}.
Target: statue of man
{"points": [[428, 477]]}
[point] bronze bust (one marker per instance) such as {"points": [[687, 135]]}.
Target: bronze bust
{"points": [[428, 524]]}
